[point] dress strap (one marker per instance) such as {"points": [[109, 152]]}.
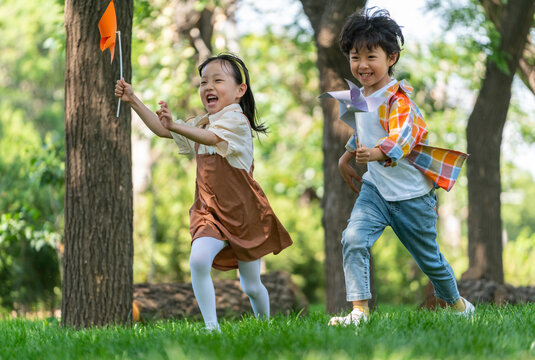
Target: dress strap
{"points": [[203, 126]]}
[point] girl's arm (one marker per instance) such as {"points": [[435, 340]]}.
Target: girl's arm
{"points": [[125, 92], [196, 134]]}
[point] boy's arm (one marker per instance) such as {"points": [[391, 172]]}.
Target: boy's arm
{"points": [[347, 171], [406, 129], [362, 154], [365, 154]]}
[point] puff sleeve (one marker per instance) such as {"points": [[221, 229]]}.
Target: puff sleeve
{"points": [[235, 133]]}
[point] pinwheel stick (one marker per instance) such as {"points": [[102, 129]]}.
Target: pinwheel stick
{"points": [[121, 69]]}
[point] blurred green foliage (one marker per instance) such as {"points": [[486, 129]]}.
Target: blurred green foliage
{"points": [[482, 37], [31, 153], [288, 161], [28, 262]]}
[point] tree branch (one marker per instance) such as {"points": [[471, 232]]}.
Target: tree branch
{"points": [[526, 68]]}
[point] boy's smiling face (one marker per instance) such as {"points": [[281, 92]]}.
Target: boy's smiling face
{"points": [[370, 67]]}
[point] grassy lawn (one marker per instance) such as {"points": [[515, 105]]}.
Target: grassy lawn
{"points": [[392, 333]]}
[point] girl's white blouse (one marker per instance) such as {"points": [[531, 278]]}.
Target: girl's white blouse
{"points": [[232, 127]]}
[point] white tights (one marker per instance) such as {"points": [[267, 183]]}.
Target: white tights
{"points": [[203, 252]]}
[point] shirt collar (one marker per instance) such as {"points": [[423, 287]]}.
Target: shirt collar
{"points": [[218, 115], [381, 91], [400, 85]]}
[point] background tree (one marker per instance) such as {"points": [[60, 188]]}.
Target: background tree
{"points": [[97, 282], [484, 138], [327, 19]]}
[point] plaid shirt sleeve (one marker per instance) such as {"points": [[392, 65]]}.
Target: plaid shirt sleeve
{"points": [[442, 166], [405, 129], [351, 144]]}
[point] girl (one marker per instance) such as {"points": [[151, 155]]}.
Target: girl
{"points": [[231, 222]]}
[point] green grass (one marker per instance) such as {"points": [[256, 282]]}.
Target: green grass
{"points": [[392, 333]]}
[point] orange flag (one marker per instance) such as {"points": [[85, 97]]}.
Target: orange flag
{"points": [[107, 26]]}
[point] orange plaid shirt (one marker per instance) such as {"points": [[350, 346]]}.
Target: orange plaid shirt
{"points": [[407, 137]]}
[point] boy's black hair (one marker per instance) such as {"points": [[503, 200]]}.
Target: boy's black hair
{"points": [[365, 28], [247, 101]]}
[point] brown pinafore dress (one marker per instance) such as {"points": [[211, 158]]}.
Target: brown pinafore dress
{"points": [[230, 205]]}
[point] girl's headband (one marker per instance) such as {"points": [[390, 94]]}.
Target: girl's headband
{"points": [[242, 73]]}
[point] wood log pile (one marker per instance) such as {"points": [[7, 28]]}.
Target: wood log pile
{"points": [[484, 291], [175, 301], [488, 291]]}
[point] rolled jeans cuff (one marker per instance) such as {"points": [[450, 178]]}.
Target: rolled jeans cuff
{"points": [[358, 297], [450, 300]]}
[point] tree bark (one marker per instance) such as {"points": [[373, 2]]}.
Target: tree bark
{"points": [[98, 279], [327, 19], [484, 137]]}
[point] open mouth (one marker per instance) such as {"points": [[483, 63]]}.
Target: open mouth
{"points": [[211, 99], [365, 75]]}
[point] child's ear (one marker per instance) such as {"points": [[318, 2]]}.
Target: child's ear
{"points": [[242, 89], [393, 58]]}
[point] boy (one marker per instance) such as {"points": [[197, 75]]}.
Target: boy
{"points": [[398, 188]]}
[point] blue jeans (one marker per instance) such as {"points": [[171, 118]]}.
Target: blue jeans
{"points": [[414, 222]]}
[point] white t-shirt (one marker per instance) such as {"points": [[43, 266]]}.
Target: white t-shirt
{"points": [[401, 182], [229, 124]]}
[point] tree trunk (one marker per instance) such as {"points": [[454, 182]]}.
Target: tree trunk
{"points": [[97, 283], [327, 19], [484, 137]]}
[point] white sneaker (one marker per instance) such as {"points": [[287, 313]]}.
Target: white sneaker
{"points": [[354, 318], [468, 308]]}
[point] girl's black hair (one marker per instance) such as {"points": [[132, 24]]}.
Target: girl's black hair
{"points": [[247, 102], [365, 28]]}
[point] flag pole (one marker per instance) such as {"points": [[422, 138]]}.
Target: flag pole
{"points": [[121, 70]]}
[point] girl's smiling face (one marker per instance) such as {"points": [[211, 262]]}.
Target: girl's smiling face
{"points": [[370, 67], [218, 87]]}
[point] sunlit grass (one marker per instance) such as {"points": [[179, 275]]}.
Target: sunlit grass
{"points": [[392, 333]]}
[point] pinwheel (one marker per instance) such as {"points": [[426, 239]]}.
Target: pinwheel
{"points": [[352, 101]]}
